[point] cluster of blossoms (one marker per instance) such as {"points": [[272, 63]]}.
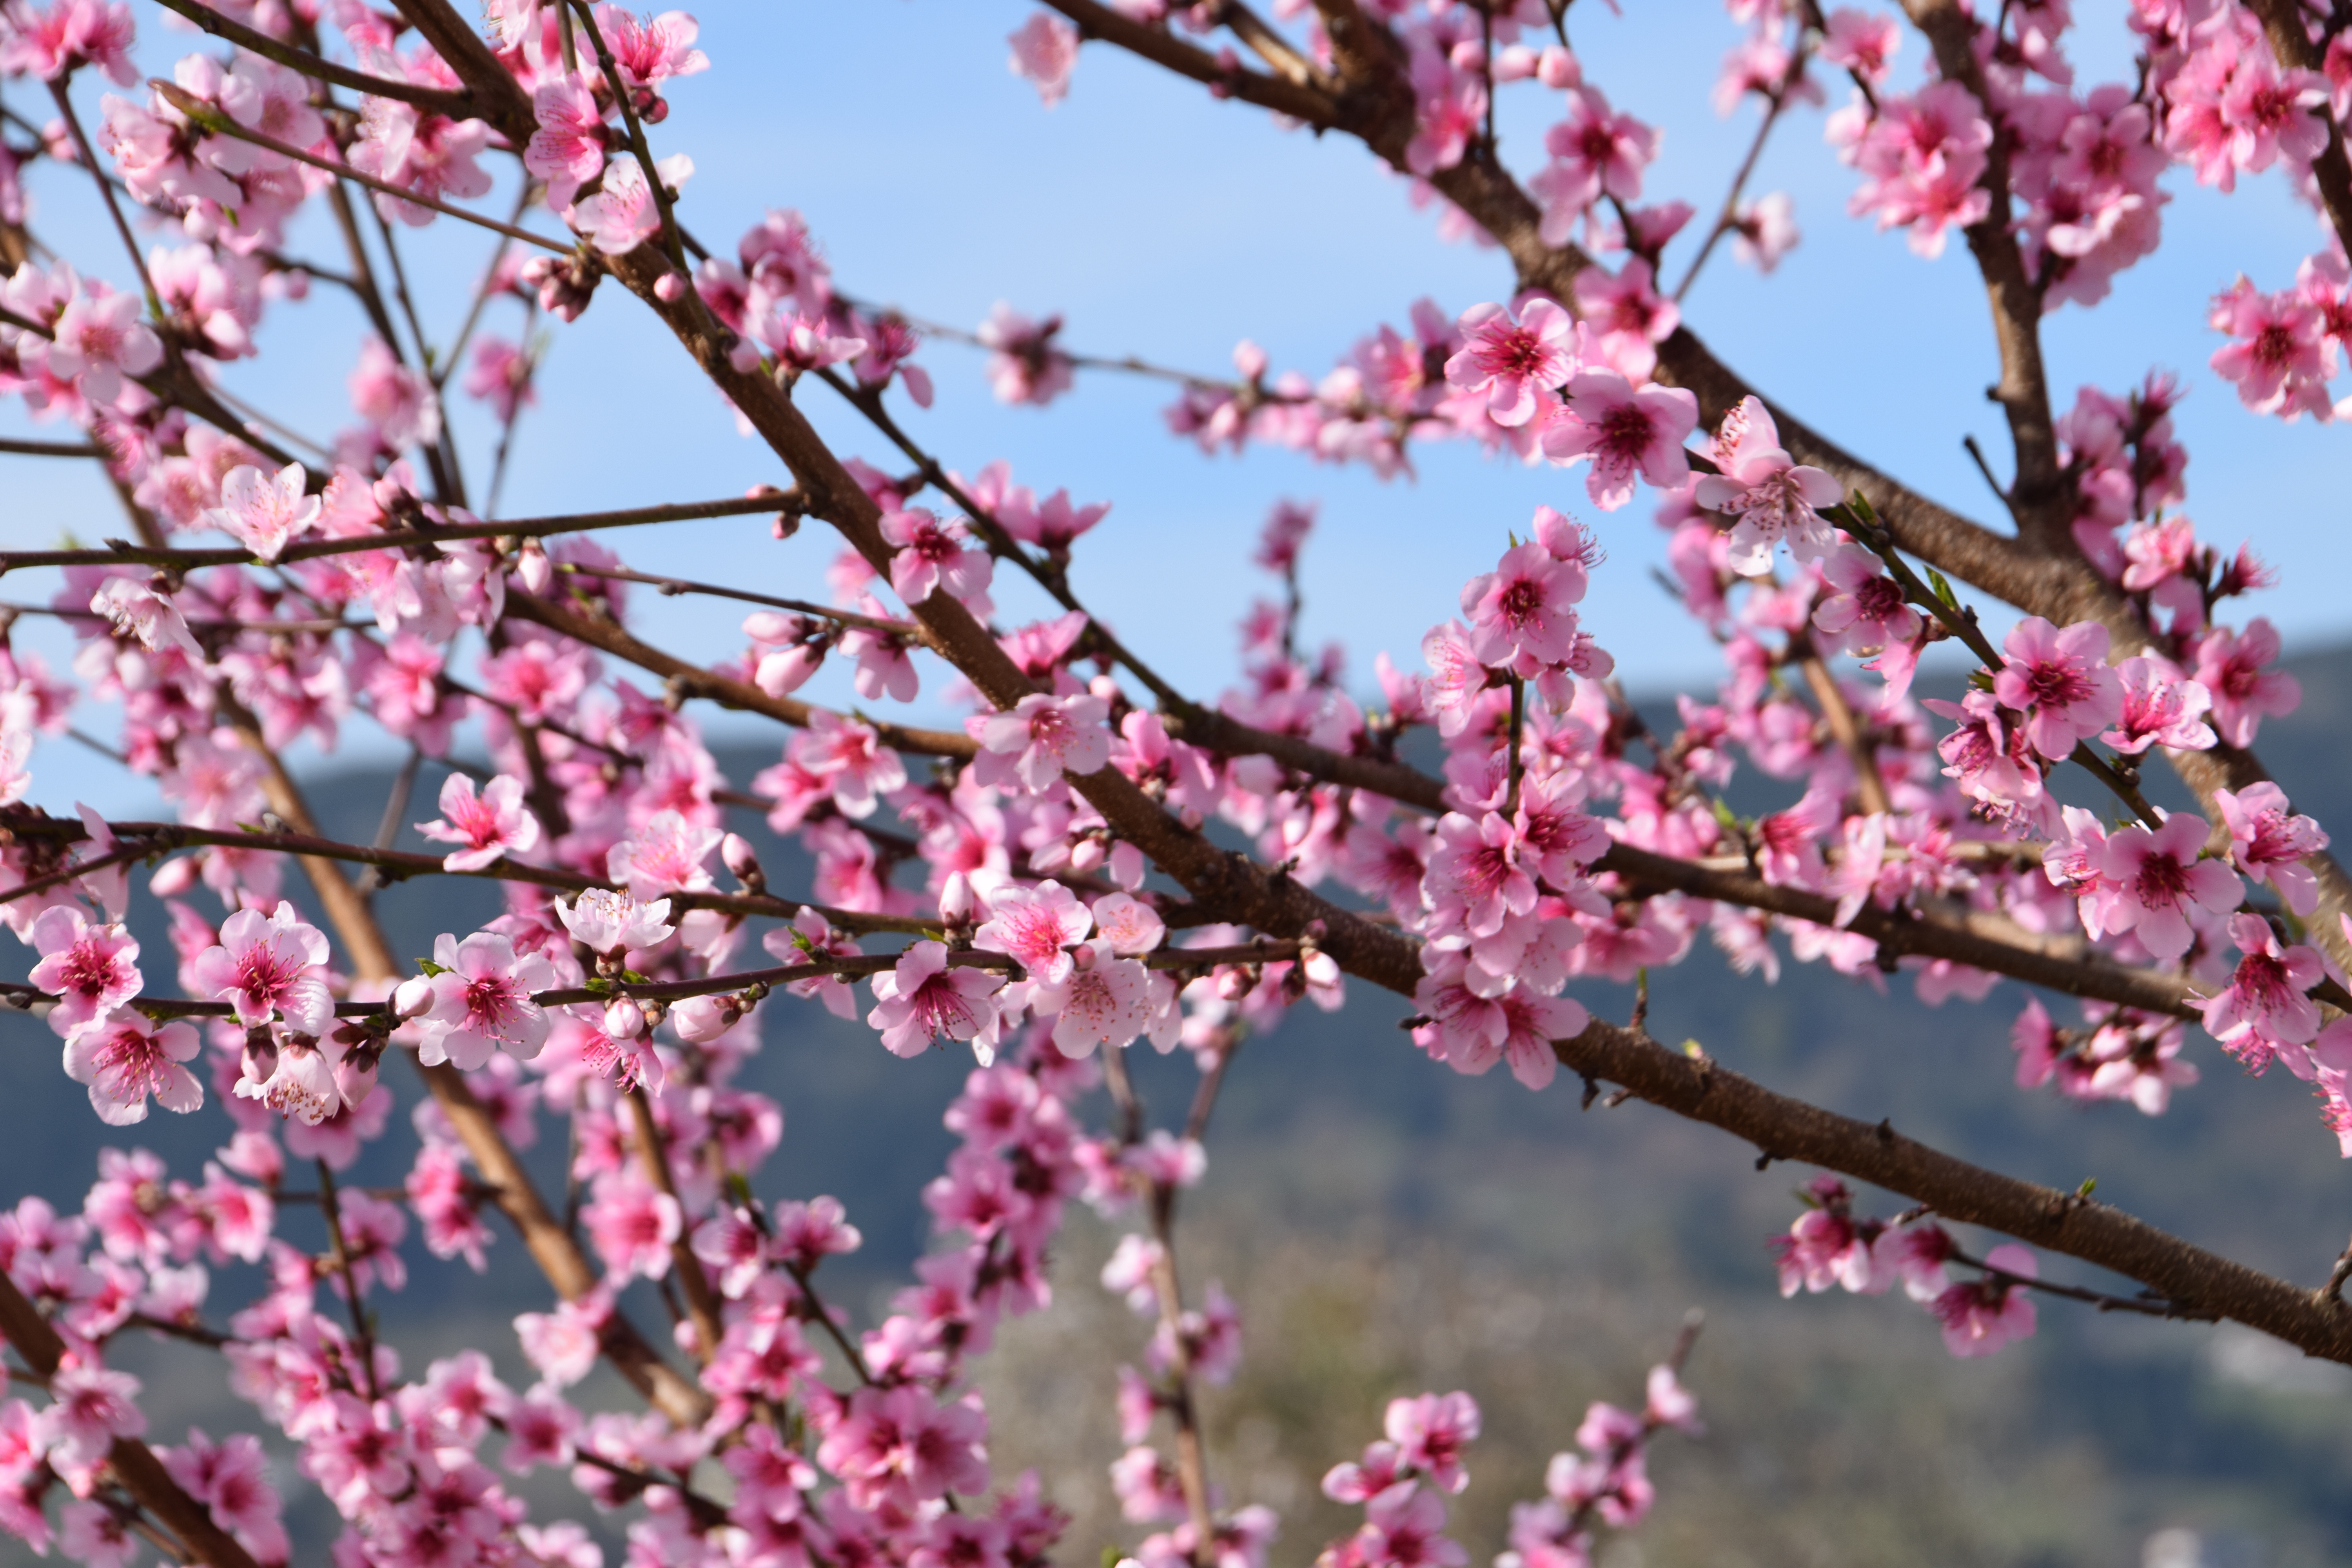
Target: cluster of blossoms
{"points": [[1829, 1246], [1040, 873]]}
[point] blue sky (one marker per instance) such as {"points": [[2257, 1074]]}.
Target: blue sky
{"points": [[1163, 224]]}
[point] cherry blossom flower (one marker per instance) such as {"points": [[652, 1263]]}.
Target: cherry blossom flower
{"points": [[479, 1000], [1040, 738], [1764, 231], [231, 1479], [1772, 495], [570, 144], [90, 970], [667, 855], [2269, 843], [267, 966], [632, 1224], [624, 214], [2277, 356], [1431, 1432], [1524, 608], [1037, 929], [1044, 50], [2161, 707], [1108, 1003], [1982, 1316], [2060, 681], [2266, 1004], [264, 512], [1025, 367], [147, 617], [1514, 361], [2151, 881], [1867, 611], [931, 555], [124, 1059], [650, 52], [1594, 151], [89, 1407], [847, 755], [610, 923], [2235, 668], [98, 342], [490, 824], [1623, 432], [925, 998]]}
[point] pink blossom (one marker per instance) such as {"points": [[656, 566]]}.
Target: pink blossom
{"points": [[632, 1225], [1035, 927], [479, 1000], [563, 1344], [610, 923], [1866, 611], [1052, 524], [848, 755], [2236, 669], [89, 1408], [2266, 1004], [1983, 1315], [1772, 495], [2278, 355], [624, 214], [2060, 681], [1525, 608], [650, 52], [231, 1479], [100, 341], [2270, 843], [1764, 231], [2152, 880], [568, 148], [147, 617], [1430, 1433], [124, 1059], [1514, 361], [667, 855], [1594, 151], [1108, 1003], [2161, 707], [264, 512], [268, 966], [931, 555], [1625, 317], [1044, 50], [925, 997], [89, 969], [1040, 738], [1025, 367], [491, 825], [1623, 432]]}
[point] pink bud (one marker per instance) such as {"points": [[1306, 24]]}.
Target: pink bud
{"points": [[957, 900], [533, 567], [355, 1079], [1232, 984], [1556, 68], [670, 287], [1086, 854], [702, 1019], [1083, 956], [744, 356], [736, 850], [173, 877], [1249, 359], [624, 1019], [413, 997], [1126, 866]]}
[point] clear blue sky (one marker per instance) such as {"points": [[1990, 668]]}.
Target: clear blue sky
{"points": [[1164, 223]]}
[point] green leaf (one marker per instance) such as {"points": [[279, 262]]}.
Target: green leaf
{"points": [[1943, 589], [1981, 678], [2090, 1185], [430, 968], [601, 985], [633, 978]]}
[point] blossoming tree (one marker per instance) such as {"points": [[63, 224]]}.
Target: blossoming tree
{"points": [[1095, 862]]}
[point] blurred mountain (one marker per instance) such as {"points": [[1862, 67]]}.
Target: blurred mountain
{"points": [[1389, 1227]]}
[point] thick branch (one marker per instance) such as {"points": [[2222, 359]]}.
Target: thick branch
{"points": [[434, 100]]}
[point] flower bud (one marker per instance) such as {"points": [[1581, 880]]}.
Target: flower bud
{"points": [[670, 287], [355, 1077], [741, 859], [413, 997], [533, 567], [1557, 68], [957, 900], [699, 1020], [624, 1019]]}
